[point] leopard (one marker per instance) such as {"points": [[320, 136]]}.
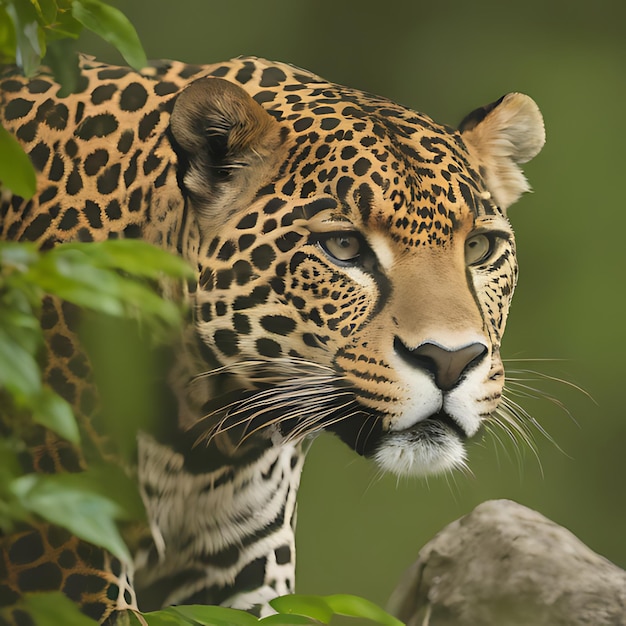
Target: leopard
{"points": [[353, 265]]}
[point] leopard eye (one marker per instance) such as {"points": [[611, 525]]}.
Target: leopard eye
{"points": [[345, 248], [478, 248]]}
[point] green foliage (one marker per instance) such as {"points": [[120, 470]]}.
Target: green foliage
{"points": [[33, 29], [52, 609], [291, 611], [87, 275], [323, 608], [113, 278], [102, 277], [110, 24], [21, 338], [16, 171], [31, 26], [72, 501]]}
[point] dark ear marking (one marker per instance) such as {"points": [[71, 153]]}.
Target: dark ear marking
{"points": [[471, 120], [226, 144], [217, 119], [217, 150]]}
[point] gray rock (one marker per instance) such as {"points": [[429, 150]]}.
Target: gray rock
{"points": [[507, 565]]}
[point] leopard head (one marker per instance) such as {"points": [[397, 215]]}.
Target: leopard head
{"points": [[355, 264]]}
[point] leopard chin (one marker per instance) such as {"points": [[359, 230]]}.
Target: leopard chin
{"points": [[433, 446]]}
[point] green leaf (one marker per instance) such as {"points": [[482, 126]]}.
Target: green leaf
{"points": [[18, 320], [46, 10], [51, 411], [214, 615], [7, 37], [145, 301], [9, 461], [159, 618], [314, 607], [10, 469], [62, 59], [65, 500], [30, 42], [354, 606], [52, 609], [84, 284], [137, 257], [20, 255], [65, 26], [322, 608], [19, 372], [77, 273], [70, 277], [113, 26], [287, 620], [112, 482], [16, 170]]}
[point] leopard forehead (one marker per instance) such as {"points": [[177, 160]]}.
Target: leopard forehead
{"points": [[362, 158]]}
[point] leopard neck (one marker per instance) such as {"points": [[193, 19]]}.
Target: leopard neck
{"points": [[224, 536]]}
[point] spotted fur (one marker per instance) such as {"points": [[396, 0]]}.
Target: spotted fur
{"points": [[355, 268]]}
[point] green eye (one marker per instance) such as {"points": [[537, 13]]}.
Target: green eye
{"points": [[345, 248], [478, 248]]}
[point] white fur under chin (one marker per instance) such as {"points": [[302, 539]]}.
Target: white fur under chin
{"points": [[403, 456]]}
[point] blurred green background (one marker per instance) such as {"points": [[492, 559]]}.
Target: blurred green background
{"points": [[357, 530]]}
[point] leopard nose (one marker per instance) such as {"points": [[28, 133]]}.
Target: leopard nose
{"points": [[446, 366]]}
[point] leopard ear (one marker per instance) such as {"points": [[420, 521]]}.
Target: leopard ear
{"points": [[227, 146], [502, 135]]}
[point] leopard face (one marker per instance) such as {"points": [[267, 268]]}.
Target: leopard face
{"points": [[355, 261], [356, 264]]}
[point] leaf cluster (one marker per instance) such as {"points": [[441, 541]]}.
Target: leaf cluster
{"points": [[32, 31], [115, 278], [29, 28], [291, 610], [51, 609]]}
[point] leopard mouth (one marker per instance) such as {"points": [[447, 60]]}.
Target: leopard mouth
{"points": [[448, 421], [432, 431], [365, 434]]}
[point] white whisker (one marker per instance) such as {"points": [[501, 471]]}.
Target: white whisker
{"points": [[280, 391]]}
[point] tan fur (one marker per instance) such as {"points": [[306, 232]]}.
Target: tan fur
{"points": [[512, 133]]}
